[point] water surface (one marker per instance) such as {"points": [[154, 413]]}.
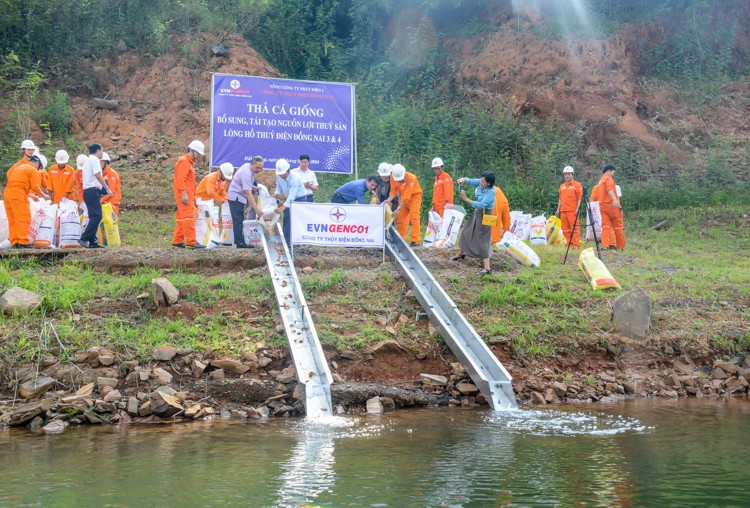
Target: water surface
{"points": [[635, 453]]}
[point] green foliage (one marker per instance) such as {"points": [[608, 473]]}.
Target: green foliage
{"points": [[55, 114]]}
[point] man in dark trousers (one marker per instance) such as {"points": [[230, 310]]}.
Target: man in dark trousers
{"points": [[94, 186]]}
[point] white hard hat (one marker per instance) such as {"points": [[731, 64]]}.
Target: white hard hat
{"points": [[568, 169], [105, 157], [282, 166], [227, 170], [81, 161], [197, 146], [384, 169], [399, 172], [62, 157], [27, 143], [437, 162], [43, 159]]}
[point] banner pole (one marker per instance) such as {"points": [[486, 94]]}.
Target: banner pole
{"points": [[354, 133]]}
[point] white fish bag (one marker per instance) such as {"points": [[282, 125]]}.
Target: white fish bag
{"points": [[203, 221], [520, 224], [512, 246], [227, 233], [43, 224], [4, 230], [452, 220], [597, 215], [268, 206], [214, 239], [251, 232], [538, 231], [84, 215], [69, 224], [34, 207], [433, 229]]}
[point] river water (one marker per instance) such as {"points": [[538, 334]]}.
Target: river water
{"points": [[635, 453]]}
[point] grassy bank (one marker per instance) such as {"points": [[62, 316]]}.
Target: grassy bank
{"points": [[697, 272]]}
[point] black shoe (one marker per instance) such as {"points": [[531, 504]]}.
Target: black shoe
{"points": [[83, 243], [179, 245], [23, 246], [95, 246], [195, 246], [414, 244], [460, 257], [244, 246], [485, 272]]}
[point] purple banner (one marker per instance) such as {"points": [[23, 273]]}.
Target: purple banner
{"points": [[282, 118]]}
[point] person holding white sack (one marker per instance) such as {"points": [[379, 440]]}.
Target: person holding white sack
{"points": [[240, 195], [476, 237]]}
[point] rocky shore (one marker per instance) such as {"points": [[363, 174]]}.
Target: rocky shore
{"points": [[101, 386]]}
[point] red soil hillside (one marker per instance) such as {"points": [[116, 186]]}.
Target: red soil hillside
{"points": [[164, 102]]}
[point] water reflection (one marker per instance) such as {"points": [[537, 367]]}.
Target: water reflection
{"points": [[644, 453]]}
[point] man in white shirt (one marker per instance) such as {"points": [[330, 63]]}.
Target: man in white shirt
{"points": [[309, 180], [94, 186]]}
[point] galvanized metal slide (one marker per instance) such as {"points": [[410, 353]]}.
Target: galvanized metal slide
{"points": [[485, 370], [312, 369]]}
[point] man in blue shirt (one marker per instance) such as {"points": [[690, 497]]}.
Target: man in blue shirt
{"points": [[355, 191], [290, 186]]}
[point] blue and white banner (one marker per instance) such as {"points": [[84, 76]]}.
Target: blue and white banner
{"points": [[282, 118], [335, 225]]}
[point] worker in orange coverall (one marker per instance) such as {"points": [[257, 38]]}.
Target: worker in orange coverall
{"points": [[61, 179], [184, 196], [568, 204], [609, 204], [78, 178], [113, 180], [502, 212], [28, 149], [595, 197], [23, 182], [442, 191], [406, 187], [214, 185]]}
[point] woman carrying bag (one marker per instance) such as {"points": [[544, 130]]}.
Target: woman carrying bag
{"points": [[476, 237]]}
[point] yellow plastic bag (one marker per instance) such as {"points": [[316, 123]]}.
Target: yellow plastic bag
{"points": [[554, 225], [109, 231], [595, 271]]}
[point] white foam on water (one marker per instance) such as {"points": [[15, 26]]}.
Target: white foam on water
{"points": [[562, 423]]}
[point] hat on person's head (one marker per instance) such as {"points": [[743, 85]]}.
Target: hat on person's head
{"points": [[568, 169], [105, 157], [282, 166], [399, 172], [384, 169], [227, 170], [608, 167], [81, 161], [437, 162]]}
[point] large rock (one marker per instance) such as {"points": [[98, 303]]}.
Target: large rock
{"points": [[33, 388], [28, 412], [162, 376], [19, 300], [386, 346], [433, 380], [632, 314], [164, 353], [165, 405], [467, 388], [164, 292], [374, 405], [231, 366]]}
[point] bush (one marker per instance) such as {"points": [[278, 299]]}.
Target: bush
{"points": [[54, 115]]}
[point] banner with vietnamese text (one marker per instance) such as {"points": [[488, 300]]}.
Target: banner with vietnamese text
{"points": [[337, 225], [282, 118]]}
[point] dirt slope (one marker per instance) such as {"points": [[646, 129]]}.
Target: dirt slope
{"points": [[164, 102], [594, 83]]}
